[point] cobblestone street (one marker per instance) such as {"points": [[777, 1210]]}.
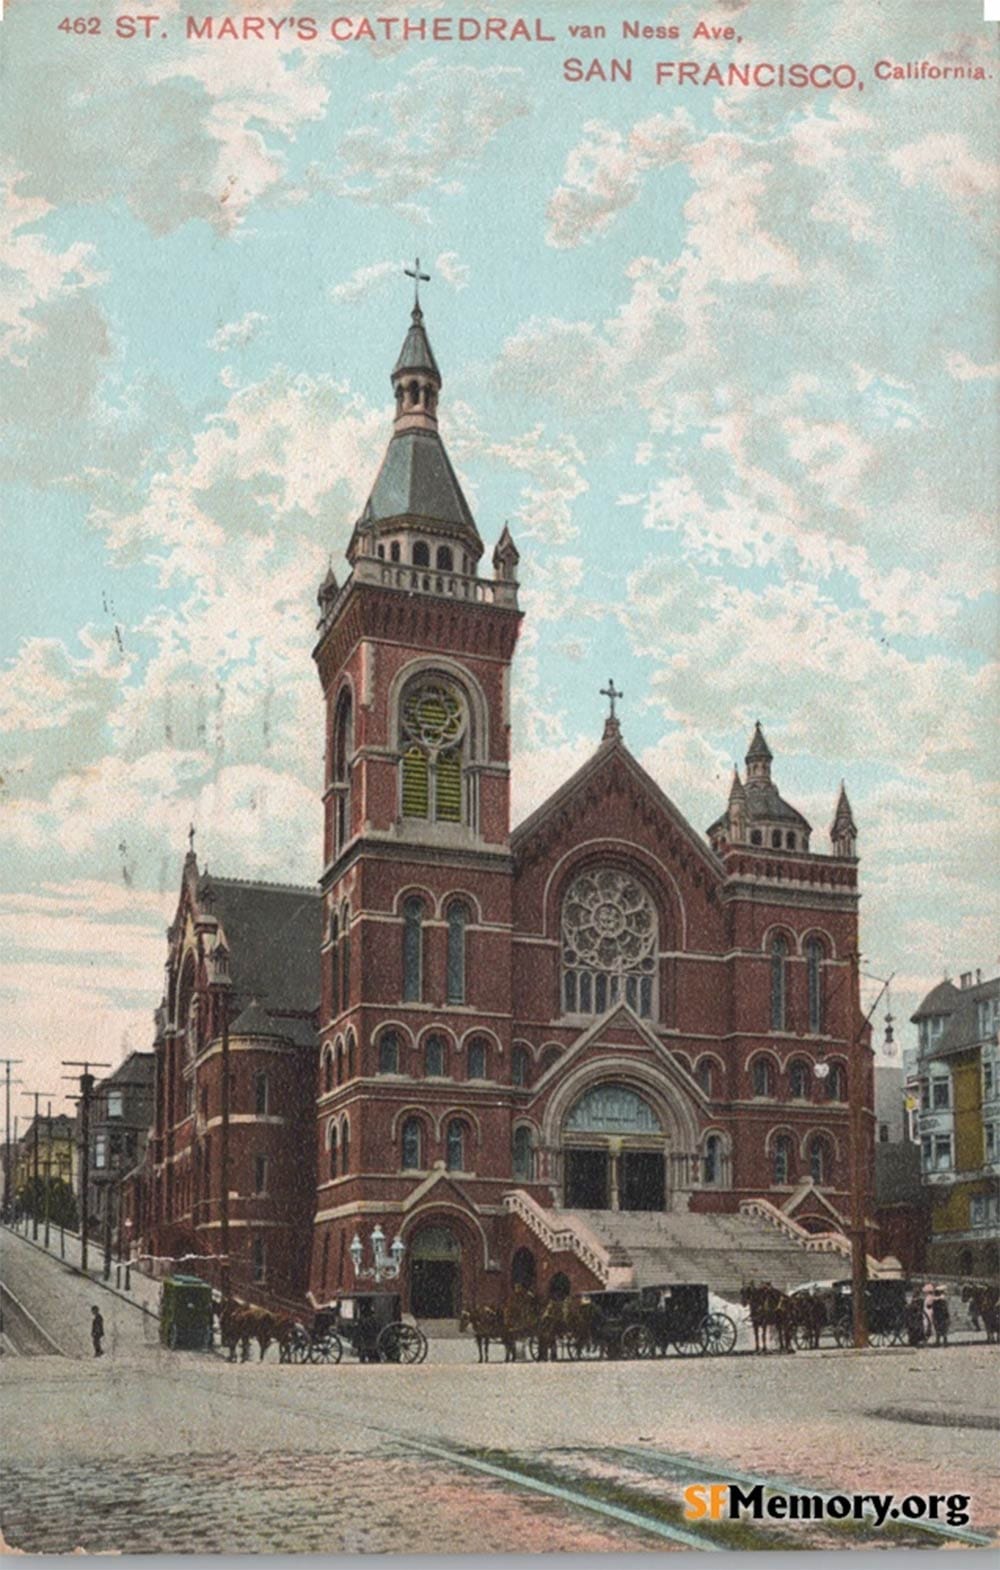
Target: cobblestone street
{"points": [[149, 1450]]}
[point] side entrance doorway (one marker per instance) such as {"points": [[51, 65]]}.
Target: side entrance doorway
{"points": [[435, 1261]]}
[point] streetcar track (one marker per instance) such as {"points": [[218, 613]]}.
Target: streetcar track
{"points": [[34, 1328]]}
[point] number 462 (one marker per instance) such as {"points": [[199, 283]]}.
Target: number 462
{"points": [[80, 24]]}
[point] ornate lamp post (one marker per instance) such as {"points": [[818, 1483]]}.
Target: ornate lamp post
{"points": [[385, 1268]]}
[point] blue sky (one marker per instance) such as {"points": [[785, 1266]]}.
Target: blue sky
{"points": [[725, 360]]}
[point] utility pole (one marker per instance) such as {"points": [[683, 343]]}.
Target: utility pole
{"points": [[86, 1090], [7, 1205], [37, 1094], [220, 986], [855, 1090], [48, 1174]]}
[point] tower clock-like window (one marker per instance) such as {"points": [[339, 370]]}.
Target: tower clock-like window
{"points": [[433, 740], [609, 944]]}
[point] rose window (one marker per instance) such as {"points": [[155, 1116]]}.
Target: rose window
{"points": [[609, 943]]}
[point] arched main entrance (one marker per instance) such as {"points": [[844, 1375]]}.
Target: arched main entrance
{"points": [[614, 1154], [435, 1274]]}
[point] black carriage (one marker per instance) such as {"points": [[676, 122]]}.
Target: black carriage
{"points": [[372, 1325], [891, 1311], [317, 1343], [677, 1314]]}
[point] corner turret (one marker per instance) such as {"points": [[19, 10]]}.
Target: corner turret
{"points": [[844, 830]]}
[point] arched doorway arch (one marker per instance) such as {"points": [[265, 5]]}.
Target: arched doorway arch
{"points": [[435, 1269], [614, 1150]]}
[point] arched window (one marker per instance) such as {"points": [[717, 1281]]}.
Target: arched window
{"points": [[520, 1066], [776, 838], [458, 917], [434, 1057], [455, 1145], [333, 1150], [334, 965], [260, 1095], [340, 1063], [477, 1058], [343, 747], [350, 1054], [814, 973], [445, 560], [411, 1145], [421, 554], [836, 1083], [327, 1071], [522, 1155], [704, 1074], [388, 1052], [413, 949], [799, 1080], [433, 739], [763, 1077], [789, 841], [781, 1159], [779, 981], [394, 551], [609, 944], [345, 1146], [713, 1160], [345, 956], [819, 1159]]}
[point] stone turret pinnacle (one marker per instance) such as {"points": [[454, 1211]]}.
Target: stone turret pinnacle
{"points": [[843, 830]]}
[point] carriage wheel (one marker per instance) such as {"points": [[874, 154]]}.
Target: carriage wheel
{"points": [[638, 1341], [579, 1350], [533, 1347], [695, 1345], [843, 1332], [720, 1334], [800, 1335], [401, 1343], [880, 1337], [328, 1349]]}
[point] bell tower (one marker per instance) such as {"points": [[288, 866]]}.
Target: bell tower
{"points": [[414, 656]]}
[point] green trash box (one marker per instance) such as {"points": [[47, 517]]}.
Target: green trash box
{"points": [[186, 1313]]}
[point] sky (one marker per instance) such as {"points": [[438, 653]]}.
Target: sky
{"points": [[724, 358]]}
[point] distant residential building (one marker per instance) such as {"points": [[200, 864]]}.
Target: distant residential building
{"points": [[959, 1123], [56, 1152], [890, 1117], [121, 1111]]}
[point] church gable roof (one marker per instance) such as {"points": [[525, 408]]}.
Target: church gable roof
{"points": [[273, 933], [576, 794]]}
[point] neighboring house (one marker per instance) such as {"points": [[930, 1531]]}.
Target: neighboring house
{"points": [[958, 1086], [121, 1111], [57, 1155]]}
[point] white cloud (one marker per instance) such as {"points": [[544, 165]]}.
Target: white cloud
{"points": [[962, 369], [944, 161], [236, 335], [364, 281], [452, 269], [604, 174]]}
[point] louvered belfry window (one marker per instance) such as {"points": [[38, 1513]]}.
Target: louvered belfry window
{"points": [[433, 735]]}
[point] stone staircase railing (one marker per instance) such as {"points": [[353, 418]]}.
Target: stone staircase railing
{"points": [[569, 1236], [813, 1242]]}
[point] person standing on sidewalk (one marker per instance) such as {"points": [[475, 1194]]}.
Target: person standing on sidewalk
{"points": [[97, 1331]]}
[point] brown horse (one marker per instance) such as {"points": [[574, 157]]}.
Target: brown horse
{"points": [[984, 1307], [807, 1311], [486, 1325], [234, 1328], [520, 1318], [769, 1307]]}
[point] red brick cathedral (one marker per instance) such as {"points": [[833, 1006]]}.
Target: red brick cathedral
{"points": [[496, 1046]]}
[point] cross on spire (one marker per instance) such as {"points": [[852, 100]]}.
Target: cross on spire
{"points": [[611, 693], [191, 839], [418, 278]]}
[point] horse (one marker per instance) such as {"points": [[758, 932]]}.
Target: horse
{"points": [[984, 1307], [520, 1317], [486, 1325], [234, 1328], [768, 1306], [569, 1320], [806, 1310]]}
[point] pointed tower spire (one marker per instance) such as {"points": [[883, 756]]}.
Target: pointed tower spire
{"points": [[843, 830], [737, 829], [506, 557], [759, 756]]}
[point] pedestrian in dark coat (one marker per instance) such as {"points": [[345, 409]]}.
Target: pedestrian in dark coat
{"points": [[97, 1331], [940, 1319]]}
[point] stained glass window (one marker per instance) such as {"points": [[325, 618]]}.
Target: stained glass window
{"points": [[609, 939]]}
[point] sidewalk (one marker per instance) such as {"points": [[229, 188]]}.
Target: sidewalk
{"points": [[144, 1293]]}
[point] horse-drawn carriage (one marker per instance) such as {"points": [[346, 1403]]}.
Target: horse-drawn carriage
{"points": [[370, 1323], [678, 1315], [889, 1308], [646, 1323]]}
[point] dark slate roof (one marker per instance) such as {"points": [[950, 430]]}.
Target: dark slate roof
{"points": [[758, 746], [273, 933], [416, 480], [765, 804], [962, 1030], [897, 1174], [940, 1000], [416, 353], [137, 1068], [255, 1021]]}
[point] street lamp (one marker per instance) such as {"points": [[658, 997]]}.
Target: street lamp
{"points": [[384, 1268]]}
